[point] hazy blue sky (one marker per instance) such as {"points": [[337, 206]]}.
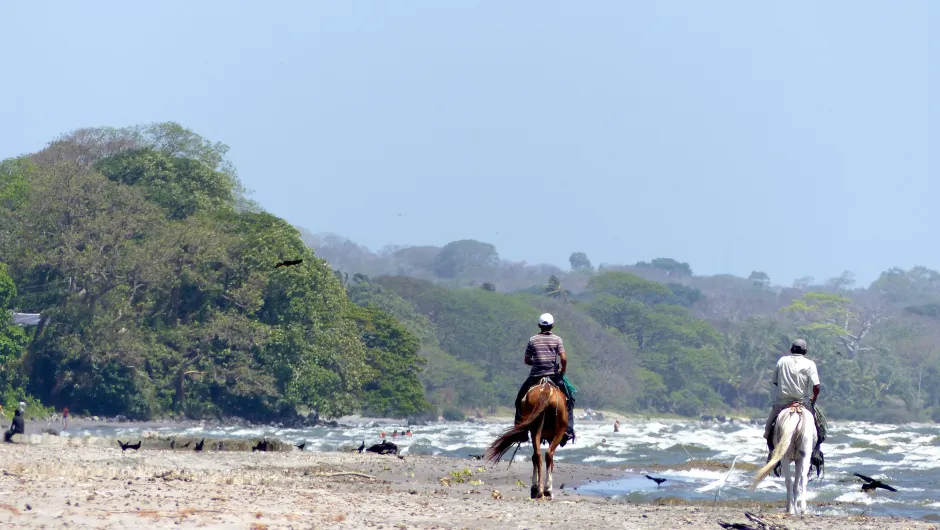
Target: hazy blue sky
{"points": [[786, 137]]}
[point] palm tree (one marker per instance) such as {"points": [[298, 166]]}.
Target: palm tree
{"points": [[555, 289]]}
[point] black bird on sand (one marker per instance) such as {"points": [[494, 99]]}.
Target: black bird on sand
{"points": [[302, 445], [262, 446], [219, 448], [384, 448], [872, 484], [476, 457], [658, 481], [200, 444], [185, 445], [288, 263], [361, 447], [128, 445], [173, 443]]}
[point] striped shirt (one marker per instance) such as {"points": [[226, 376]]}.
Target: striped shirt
{"points": [[543, 350]]}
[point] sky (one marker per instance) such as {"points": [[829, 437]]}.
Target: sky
{"points": [[791, 138]]}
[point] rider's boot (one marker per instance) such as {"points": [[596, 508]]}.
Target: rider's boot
{"points": [[569, 432]]}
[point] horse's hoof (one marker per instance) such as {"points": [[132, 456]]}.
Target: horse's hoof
{"points": [[548, 495], [535, 493]]}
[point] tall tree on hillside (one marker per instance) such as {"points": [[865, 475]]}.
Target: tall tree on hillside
{"points": [[834, 317], [843, 282], [760, 279], [668, 265], [464, 256], [580, 262]]}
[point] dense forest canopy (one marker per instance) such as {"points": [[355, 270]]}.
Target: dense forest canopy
{"points": [[654, 337], [155, 277]]}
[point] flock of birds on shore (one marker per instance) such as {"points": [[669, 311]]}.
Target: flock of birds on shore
{"points": [[263, 445]]}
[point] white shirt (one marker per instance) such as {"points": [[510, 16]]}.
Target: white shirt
{"points": [[795, 378]]}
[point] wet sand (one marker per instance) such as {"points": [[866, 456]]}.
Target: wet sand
{"points": [[52, 483]]}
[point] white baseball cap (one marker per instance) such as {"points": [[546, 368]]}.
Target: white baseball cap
{"points": [[546, 320]]}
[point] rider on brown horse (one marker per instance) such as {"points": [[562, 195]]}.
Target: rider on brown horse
{"points": [[545, 353], [795, 378]]}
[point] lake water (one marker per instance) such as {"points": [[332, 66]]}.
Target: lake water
{"points": [[905, 456]]}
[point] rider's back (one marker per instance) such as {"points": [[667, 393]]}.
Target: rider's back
{"points": [[543, 349], [795, 377]]}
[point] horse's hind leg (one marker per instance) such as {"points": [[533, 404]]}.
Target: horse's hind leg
{"points": [[790, 485], [802, 477], [549, 468], [536, 490]]}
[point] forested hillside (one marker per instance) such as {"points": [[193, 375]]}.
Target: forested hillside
{"points": [[156, 281], [652, 336]]}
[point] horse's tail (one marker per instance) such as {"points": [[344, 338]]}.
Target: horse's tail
{"points": [[513, 435], [783, 445]]}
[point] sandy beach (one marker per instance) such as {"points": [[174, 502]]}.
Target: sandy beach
{"points": [[90, 484]]}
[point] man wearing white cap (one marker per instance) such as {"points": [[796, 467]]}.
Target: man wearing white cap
{"points": [[545, 353]]}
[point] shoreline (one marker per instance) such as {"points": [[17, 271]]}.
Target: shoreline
{"points": [[92, 486]]}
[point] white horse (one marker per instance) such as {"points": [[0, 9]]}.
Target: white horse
{"points": [[794, 440]]}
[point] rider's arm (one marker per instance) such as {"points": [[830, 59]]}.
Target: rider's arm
{"points": [[529, 350], [564, 362], [815, 392]]}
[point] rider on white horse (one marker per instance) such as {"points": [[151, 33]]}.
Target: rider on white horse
{"points": [[796, 379]]}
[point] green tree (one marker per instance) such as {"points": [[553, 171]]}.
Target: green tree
{"points": [[458, 258], [182, 186], [760, 279], [580, 262], [668, 265], [831, 316], [392, 388], [12, 338]]}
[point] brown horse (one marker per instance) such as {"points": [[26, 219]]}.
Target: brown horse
{"points": [[544, 419]]}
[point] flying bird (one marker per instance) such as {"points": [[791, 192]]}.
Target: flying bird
{"points": [[872, 484], [128, 445], [658, 481], [288, 263], [301, 446]]}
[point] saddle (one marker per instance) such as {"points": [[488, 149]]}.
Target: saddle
{"points": [[818, 460]]}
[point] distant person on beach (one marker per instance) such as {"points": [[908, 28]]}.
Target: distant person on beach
{"points": [[18, 426], [545, 353], [65, 418], [4, 414], [616, 425]]}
